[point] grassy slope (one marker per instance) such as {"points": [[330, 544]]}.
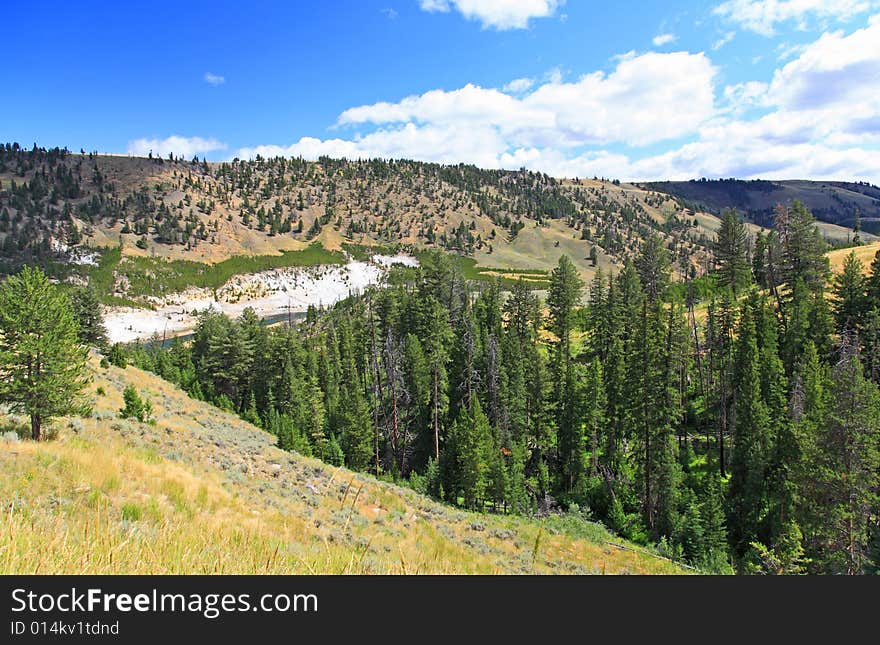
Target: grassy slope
{"points": [[534, 248], [203, 492], [865, 253]]}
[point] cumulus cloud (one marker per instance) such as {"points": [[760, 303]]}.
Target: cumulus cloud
{"points": [[743, 96], [664, 39], [451, 144], [597, 108], [180, 146], [818, 117], [763, 16], [214, 79], [836, 72], [496, 14]]}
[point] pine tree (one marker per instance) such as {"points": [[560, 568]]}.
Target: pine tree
{"points": [[564, 295], [759, 260], [873, 282], [752, 443], [850, 296], [803, 249], [467, 457], [848, 468], [438, 336], [655, 414], [653, 266], [731, 252], [87, 312], [42, 364], [250, 413], [357, 432], [713, 557], [594, 406]]}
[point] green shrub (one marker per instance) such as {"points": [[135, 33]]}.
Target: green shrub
{"points": [[135, 406], [117, 355]]}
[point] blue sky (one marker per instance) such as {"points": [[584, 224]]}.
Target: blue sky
{"points": [[678, 89]]}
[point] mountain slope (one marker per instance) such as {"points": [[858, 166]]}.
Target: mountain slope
{"points": [[190, 210], [57, 207], [834, 202], [201, 491]]}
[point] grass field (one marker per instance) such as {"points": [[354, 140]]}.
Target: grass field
{"points": [[201, 491], [534, 278], [865, 253]]}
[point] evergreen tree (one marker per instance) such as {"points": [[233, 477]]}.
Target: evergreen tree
{"points": [[873, 282], [713, 556], [803, 249], [656, 413], [468, 455], [564, 295], [594, 406], [357, 431], [847, 468], [654, 267], [752, 444], [437, 338], [731, 252], [87, 312], [42, 364], [759, 260], [850, 296]]}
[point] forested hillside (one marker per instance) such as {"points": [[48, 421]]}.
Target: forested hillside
{"points": [[196, 490], [52, 201], [836, 202], [733, 420]]}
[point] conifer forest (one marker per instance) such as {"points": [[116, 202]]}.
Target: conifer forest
{"points": [[732, 420]]}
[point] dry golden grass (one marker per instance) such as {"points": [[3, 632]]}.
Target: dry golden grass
{"points": [[203, 492], [864, 253]]}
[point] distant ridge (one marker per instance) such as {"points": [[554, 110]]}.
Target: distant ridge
{"points": [[836, 202]]}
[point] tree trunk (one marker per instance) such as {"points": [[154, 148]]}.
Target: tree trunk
{"points": [[36, 426], [436, 418]]}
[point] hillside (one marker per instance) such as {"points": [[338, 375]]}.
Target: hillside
{"points": [[833, 202], [864, 253], [51, 200], [201, 491], [145, 228]]}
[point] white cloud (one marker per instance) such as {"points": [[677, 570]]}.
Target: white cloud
{"points": [[518, 85], [181, 146], [597, 108], [214, 79], [496, 14], [745, 95], [721, 42], [787, 51], [817, 118], [837, 72], [664, 39], [763, 16], [449, 144], [433, 6], [554, 75]]}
